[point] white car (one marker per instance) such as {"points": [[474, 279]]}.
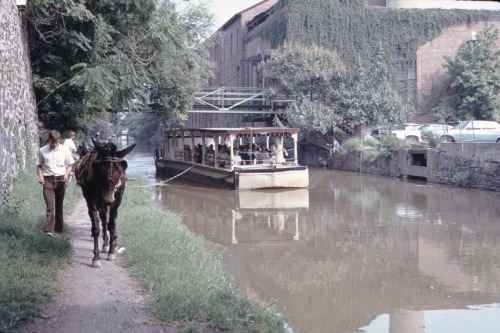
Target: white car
{"points": [[409, 132], [427, 129], [470, 131]]}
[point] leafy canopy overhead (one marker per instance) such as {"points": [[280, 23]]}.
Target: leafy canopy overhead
{"points": [[90, 57], [327, 93]]}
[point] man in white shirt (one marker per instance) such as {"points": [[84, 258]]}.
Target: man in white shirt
{"points": [[54, 163], [335, 148], [70, 144]]}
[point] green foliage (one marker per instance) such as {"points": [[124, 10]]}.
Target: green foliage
{"points": [[369, 155], [99, 124], [327, 93], [473, 81], [353, 144], [371, 142], [186, 283], [372, 148], [29, 260], [362, 34], [389, 144], [143, 127], [434, 142], [340, 135], [462, 178], [90, 58], [355, 30]]}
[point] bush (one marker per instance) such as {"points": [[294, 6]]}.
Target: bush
{"points": [[373, 148], [370, 155], [389, 144], [462, 178], [370, 141], [434, 142], [353, 144]]}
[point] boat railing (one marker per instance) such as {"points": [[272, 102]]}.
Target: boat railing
{"points": [[225, 163], [179, 155]]}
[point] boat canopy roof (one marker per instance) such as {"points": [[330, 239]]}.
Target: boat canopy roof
{"points": [[240, 130]]}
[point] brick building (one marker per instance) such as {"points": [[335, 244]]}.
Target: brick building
{"points": [[241, 49]]}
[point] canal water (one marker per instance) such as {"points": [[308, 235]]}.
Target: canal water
{"points": [[353, 253]]}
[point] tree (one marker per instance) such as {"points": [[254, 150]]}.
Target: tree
{"points": [[473, 81], [143, 127], [92, 57], [328, 94]]}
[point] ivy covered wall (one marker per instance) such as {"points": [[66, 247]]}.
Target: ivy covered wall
{"points": [[356, 30]]}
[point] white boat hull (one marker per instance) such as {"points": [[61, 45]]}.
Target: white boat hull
{"points": [[277, 178], [244, 177]]}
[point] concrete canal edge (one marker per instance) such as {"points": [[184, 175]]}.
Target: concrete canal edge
{"points": [[472, 165]]}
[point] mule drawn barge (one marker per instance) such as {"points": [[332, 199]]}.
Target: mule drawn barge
{"points": [[228, 157]]}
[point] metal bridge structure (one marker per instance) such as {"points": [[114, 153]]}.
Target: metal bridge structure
{"points": [[238, 101]]}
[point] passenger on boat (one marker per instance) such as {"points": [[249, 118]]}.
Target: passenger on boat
{"points": [[254, 153], [245, 155], [187, 153], [227, 142], [211, 155], [263, 155], [224, 156], [279, 152], [236, 157], [198, 155]]}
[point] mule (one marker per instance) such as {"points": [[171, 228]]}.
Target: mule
{"points": [[101, 176]]}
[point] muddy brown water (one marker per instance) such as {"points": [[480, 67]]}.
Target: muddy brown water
{"points": [[353, 253]]}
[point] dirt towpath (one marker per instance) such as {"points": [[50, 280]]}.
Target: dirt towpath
{"points": [[96, 300]]}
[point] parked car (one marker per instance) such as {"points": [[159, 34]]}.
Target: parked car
{"points": [[426, 129], [470, 131], [409, 132]]}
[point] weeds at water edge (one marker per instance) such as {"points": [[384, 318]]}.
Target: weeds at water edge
{"points": [[187, 282]]}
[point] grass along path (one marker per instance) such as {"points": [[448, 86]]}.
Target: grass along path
{"points": [[165, 281], [105, 299], [187, 283]]}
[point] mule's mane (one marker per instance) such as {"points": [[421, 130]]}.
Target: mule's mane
{"points": [[108, 159]]}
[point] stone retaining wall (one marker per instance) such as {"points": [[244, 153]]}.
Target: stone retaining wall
{"points": [[475, 165], [18, 119]]}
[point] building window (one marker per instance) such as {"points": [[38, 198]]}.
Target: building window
{"points": [[406, 71], [231, 46]]}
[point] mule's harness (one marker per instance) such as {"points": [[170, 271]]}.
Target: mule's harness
{"points": [[112, 161]]}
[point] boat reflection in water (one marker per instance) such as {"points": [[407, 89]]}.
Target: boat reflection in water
{"points": [[239, 217]]}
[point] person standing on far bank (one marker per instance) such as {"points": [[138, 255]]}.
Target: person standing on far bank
{"points": [[335, 148], [54, 164]]}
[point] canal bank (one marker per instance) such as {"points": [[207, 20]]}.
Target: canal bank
{"points": [[473, 165], [165, 279]]}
